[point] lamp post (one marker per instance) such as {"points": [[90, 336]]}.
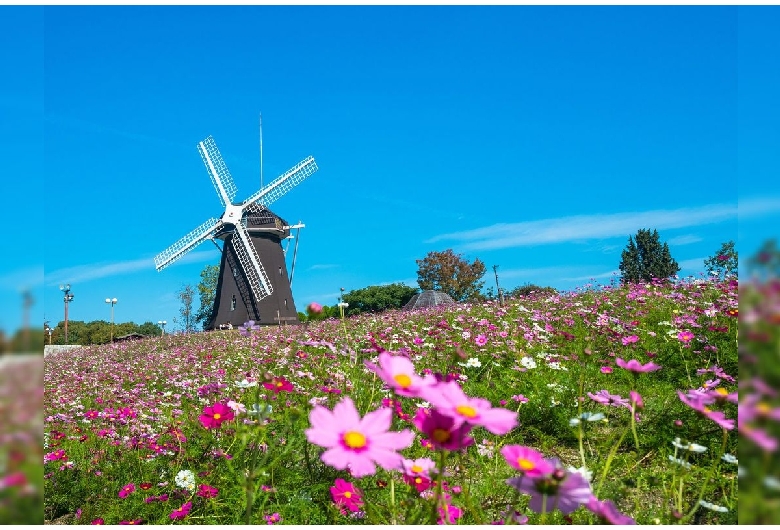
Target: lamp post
{"points": [[162, 323], [113, 302], [67, 299]]}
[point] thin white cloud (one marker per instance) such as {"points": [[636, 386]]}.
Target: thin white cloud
{"points": [[322, 266], [86, 273], [584, 227], [686, 239]]}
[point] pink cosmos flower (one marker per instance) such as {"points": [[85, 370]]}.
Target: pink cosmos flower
{"points": [[354, 442], [236, 407], [606, 369], [314, 308], [699, 402], [607, 512], [480, 340], [126, 490], [416, 472], [132, 521], [563, 490], [530, 461], [99, 520], [635, 366], [181, 512], [631, 339], [345, 494], [443, 431], [273, 518], [685, 337], [636, 399], [399, 373], [450, 400], [605, 398], [214, 415]]}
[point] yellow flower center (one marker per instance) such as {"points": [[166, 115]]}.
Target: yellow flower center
{"points": [[354, 440], [525, 464], [416, 469], [440, 435], [418, 480], [279, 383], [217, 416], [763, 408], [722, 391], [348, 494], [403, 380], [465, 410]]}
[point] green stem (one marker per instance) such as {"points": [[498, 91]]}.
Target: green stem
{"points": [[392, 501], [610, 457], [633, 425]]}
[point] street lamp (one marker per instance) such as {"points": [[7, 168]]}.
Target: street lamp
{"points": [[113, 302], [67, 299], [162, 323]]}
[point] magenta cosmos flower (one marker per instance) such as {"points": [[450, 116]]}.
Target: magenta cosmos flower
{"points": [[530, 461], [126, 490], [345, 494], [450, 400], [354, 442], [279, 384], [214, 415], [635, 366], [398, 372], [182, 512], [444, 431]]}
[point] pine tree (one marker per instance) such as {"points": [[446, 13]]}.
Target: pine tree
{"points": [[645, 258]]}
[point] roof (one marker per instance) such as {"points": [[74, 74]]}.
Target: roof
{"points": [[429, 299]]}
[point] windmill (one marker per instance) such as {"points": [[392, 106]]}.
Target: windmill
{"points": [[251, 235]]}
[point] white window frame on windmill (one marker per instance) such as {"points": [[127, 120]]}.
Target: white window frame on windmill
{"points": [[233, 303]]}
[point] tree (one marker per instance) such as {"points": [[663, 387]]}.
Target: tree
{"points": [[378, 298], [645, 258], [187, 322], [450, 273], [724, 262], [530, 289], [207, 290]]}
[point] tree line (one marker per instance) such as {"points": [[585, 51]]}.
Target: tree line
{"points": [[97, 332], [644, 259]]}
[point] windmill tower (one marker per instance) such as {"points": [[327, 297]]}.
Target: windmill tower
{"points": [[253, 282]]}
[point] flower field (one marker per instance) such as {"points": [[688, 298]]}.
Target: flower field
{"points": [[21, 467], [605, 405]]}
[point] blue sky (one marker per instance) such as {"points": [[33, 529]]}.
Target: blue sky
{"points": [[534, 138]]}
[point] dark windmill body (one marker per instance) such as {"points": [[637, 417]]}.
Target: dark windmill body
{"points": [[233, 302], [253, 281]]}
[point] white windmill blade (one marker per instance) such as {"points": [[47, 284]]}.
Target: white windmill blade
{"points": [[217, 170], [284, 183], [250, 262], [187, 243]]}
